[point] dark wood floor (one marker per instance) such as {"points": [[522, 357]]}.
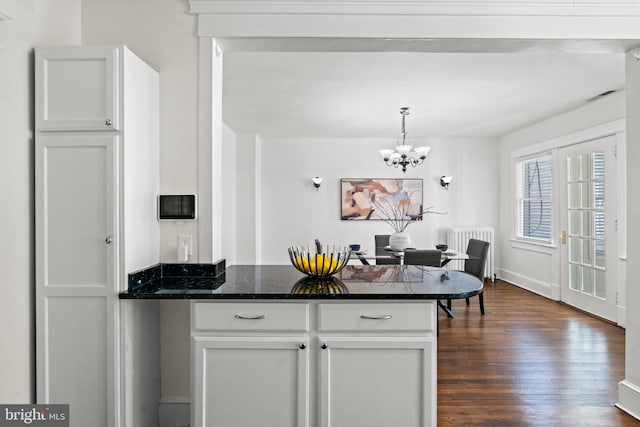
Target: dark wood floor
{"points": [[528, 361]]}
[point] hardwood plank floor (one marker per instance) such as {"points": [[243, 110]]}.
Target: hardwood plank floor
{"points": [[529, 361]]}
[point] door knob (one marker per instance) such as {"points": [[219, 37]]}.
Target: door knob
{"points": [[108, 240]]}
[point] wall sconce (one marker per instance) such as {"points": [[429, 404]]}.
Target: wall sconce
{"points": [[445, 181], [317, 181]]}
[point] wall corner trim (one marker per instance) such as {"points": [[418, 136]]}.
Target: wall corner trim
{"points": [[629, 398]]}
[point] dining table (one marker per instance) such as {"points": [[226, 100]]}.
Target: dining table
{"points": [[388, 253], [364, 256]]}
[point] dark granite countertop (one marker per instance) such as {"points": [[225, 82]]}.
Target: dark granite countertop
{"points": [[214, 281]]}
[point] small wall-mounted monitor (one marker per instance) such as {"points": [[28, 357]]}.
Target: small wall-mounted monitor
{"points": [[177, 207]]}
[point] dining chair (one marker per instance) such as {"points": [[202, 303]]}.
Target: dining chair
{"points": [[381, 241], [428, 257], [474, 265]]}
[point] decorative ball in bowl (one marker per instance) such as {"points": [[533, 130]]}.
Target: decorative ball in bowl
{"points": [[442, 247], [319, 264]]}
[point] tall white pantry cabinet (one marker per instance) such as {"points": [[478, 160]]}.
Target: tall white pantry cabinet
{"points": [[97, 180]]}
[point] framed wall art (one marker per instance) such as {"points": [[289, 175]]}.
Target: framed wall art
{"points": [[380, 199]]}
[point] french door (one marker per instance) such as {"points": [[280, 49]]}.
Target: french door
{"points": [[588, 226]]}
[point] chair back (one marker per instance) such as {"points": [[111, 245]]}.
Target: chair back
{"points": [[429, 257], [477, 251], [382, 240]]}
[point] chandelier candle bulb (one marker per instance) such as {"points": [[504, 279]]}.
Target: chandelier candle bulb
{"points": [[422, 151], [403, 149]]}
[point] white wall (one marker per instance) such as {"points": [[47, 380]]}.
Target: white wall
{"points": [[168, 44], [247, 210], [295, 213], [33, 23], [629, 389], [536, 267], [229, 196]]}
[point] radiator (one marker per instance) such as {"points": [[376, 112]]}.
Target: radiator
{"points": [[458, 238]]}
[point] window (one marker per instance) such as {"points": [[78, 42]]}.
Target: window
{"points": [[534, 198]]}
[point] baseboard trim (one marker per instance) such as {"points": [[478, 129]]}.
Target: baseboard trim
{"points": [[524, 282], [174, 411], [629, 398]]}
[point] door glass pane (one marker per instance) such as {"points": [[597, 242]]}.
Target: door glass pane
{"points": [[573, 164], [586, 195], [585, 167], [574, 195], [586, 223], [598, 165], [574, 222], [599, 224], [601, 284], [587, 251], [587, 281], [600, 253], [574, 251], [598, 188], [574, 280]]}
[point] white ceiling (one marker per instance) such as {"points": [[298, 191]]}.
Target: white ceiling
{"points": [[330, 89]]}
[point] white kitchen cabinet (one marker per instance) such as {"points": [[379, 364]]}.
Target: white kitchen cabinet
{"points": [[95, 221], [377, 364], [78, 91], [316, 363], [252, 381], [250, 364], [377, 381]]}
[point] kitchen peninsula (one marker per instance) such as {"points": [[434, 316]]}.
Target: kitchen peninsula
{"points": [[272, 347]]}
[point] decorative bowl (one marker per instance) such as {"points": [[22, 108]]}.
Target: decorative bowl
{"points": [[321, 264], [442, 247]]}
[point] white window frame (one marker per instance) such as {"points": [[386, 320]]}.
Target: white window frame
{"points": [[518, 171]]}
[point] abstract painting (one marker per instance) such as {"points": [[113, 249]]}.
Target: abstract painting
{"points": [[380, 198]]}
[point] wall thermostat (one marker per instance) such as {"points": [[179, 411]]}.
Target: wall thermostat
{"points": [[177, 207]]}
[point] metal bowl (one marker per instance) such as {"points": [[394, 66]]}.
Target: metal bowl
{"points": [[319, 264]]}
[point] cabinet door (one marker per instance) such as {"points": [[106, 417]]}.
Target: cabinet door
{"points": [[377, 382], [250, 381], [77, 88], [75, 275]]}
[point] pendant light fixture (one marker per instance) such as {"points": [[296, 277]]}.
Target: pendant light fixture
{"points": [[403, 155]]}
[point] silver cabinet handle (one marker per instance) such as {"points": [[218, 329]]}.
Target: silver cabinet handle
{"points": [[381, 317], [107, 122], [108, 240], [259, 316]]}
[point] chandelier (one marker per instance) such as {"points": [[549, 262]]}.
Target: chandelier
{"points": [[402, 155]]}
